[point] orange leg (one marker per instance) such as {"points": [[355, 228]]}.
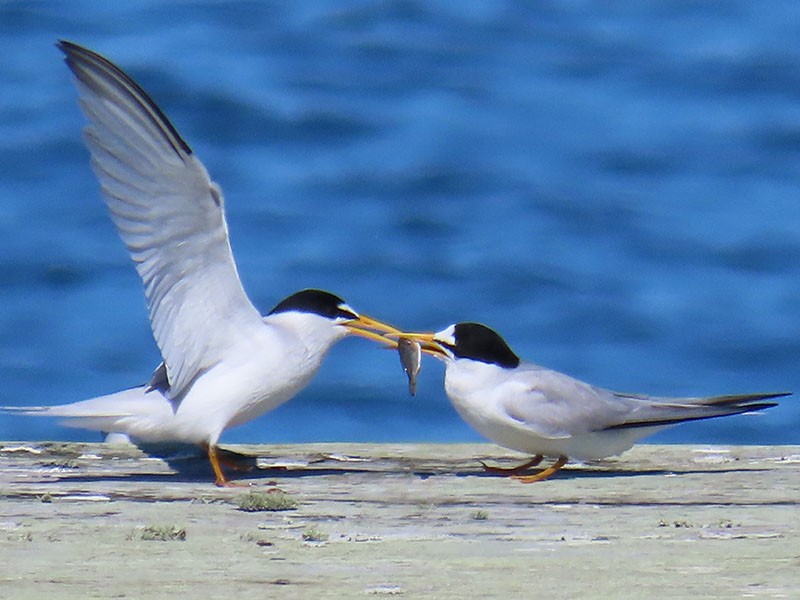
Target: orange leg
{"points": [[544, 473], [220, 479], [513, 470]]}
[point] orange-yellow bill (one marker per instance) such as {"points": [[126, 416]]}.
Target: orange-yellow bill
{"points": [[374, 330]]}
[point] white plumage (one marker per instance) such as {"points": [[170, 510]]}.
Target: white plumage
{"points": [[531, 409], [224, 363]]}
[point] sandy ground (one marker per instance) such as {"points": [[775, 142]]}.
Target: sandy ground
{"points": [[417, 521]]}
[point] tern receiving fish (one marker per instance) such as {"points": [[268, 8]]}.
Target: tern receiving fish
{"points": [[534, 410], [223, 363]]}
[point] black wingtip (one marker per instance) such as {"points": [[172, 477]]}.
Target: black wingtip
{"points": [[71, 49], [80, 59], [66, 45], [744, 399], [743, 408]]}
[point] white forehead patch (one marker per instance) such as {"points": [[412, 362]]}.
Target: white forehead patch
{"points": [[446, 336], [345, 307]]}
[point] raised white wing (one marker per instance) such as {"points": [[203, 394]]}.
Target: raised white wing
{"points": [[169, 214]]}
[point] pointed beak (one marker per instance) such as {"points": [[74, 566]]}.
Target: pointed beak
{"points": [[426, 341], [374, 330]]}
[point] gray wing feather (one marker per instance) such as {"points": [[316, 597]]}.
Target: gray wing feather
{"points": [[555, 405], [169, 214], [669, 411]]}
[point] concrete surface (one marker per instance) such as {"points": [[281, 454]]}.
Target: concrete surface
{"points": [[413, 521]]}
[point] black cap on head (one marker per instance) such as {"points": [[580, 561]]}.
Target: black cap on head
{"points": [[318, 302], [478, 342]]}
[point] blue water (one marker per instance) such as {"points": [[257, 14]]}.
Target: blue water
{"points": [[616, 190]]}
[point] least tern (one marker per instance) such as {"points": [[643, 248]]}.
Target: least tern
{"points": [[531, 409], [223, 363]]}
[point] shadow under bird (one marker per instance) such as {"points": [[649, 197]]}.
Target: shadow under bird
{"points": [[531, 409], [223, 363]]}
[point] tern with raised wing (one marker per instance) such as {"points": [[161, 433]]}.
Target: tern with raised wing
{"points": [[223, 362]]}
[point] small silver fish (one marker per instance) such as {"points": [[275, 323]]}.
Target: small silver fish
{"points": [[411, 359]]}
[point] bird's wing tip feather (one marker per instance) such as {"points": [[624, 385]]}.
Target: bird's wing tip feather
{"points": [[90, 67]]}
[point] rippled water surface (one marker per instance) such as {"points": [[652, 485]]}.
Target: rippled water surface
{"points": [[615, 190]]}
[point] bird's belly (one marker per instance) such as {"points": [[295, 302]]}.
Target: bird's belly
{"points": [[229, 396], [601, 444], [504, 431], [515, 437], [582, 446], [587, 446]]}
